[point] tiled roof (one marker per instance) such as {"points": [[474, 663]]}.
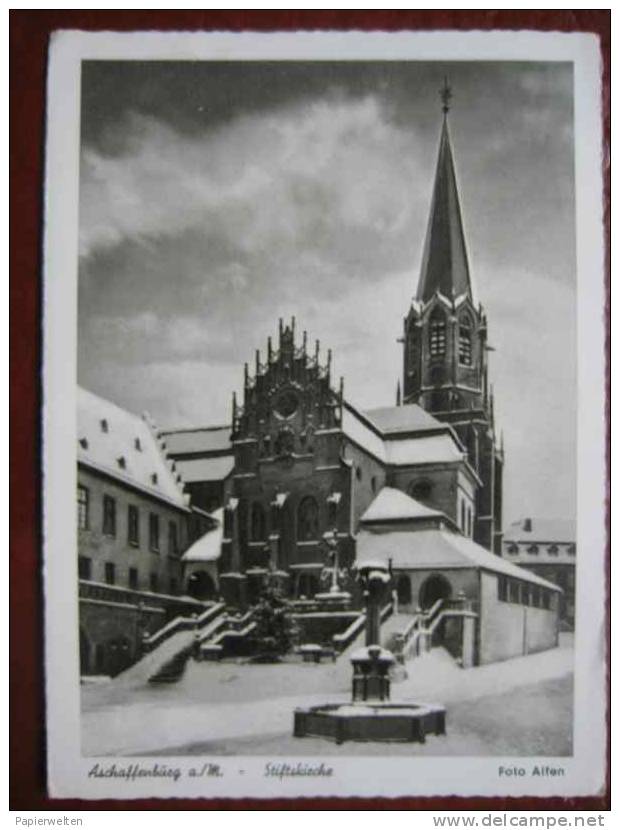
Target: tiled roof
{"points": [[406, 418], [542, 530], [394, 505], [199, 440], [206, 469], [433, 549], [123, 445]]}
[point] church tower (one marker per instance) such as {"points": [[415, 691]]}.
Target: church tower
{"points": [[445, 344]]}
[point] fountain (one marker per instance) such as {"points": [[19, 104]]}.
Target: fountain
{"points": [[370, 716]]}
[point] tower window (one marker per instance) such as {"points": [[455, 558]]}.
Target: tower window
{"points": [[465, 343], [437, 335]]}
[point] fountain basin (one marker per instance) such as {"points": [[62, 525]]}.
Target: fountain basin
{"points": [[369, 721]]}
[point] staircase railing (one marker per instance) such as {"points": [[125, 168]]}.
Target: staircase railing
{"points": [[193, 623], [345, 638]]}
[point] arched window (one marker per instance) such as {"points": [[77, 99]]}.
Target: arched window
{"points": [[421, 490], [257, 523], [437, 334], [307, 520], [465, 351]]}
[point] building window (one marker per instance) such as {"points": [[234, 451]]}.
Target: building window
{"points": [[469, 521], [546, 599], [84, 567], [104, 425], [257, 523], [437, 334], [512, 549], [552, 550], [133, 579], [154, 582], [173, 539], [373, 484], [133, 525], [465, 343], [463, 519], [358, 473], [307, 520], [154, 532], [173, 586], [570, 550], [421, 490], [513, 591], [535, 594], [83, 502], [110, 573], [502, 589], [525, 594], [109, 516], [533, 549]]}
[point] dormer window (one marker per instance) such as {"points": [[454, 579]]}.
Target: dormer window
{"points": [[465, 342], [437, 334], [103, 423]]}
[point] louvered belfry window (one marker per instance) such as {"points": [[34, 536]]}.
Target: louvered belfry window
{"points": [[437, 335], [465, 343]]}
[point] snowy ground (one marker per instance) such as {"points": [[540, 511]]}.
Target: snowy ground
{"points": [[519, 707]]}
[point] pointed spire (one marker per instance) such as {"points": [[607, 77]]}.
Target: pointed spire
{"points": [[444, 262]]}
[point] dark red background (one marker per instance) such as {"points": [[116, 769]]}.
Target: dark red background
{"points": [[29, 34]]}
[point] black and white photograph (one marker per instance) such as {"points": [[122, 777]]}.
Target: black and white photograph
{"points": [[321, 491]]}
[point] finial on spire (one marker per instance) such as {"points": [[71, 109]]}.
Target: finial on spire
{"points": [[445, 94]]}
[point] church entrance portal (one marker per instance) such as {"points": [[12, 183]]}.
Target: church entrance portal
{"points": [[433, 588], [200, 585]]}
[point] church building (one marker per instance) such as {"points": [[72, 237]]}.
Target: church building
{"points": [[300, 472]]}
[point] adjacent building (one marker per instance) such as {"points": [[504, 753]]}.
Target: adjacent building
{"points": [[546, 547]]}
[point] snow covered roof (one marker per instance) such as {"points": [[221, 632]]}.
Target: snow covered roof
{"points": [[424, 449], [208, 547], [361, 433], [199, 440], [392, 448], [214, 468], [393, 505], [434, 549], [406, 418], [541, 530], [124, 446]]}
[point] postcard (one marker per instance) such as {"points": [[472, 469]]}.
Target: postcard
{"points": [[324, 431]]}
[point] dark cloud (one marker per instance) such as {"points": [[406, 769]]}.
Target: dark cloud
{"points": [[217, 196]]}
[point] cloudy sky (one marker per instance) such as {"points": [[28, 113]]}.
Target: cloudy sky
{"points": [[216, 197]]}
